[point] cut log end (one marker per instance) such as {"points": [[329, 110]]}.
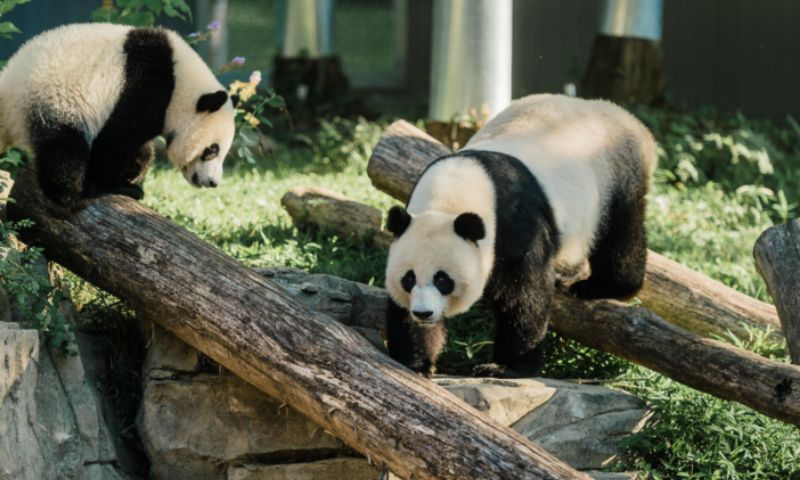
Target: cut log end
{"points": [[777, 256]]}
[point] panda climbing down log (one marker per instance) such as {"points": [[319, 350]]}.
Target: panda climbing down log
{"points": [[87, 100], [550, 193]]}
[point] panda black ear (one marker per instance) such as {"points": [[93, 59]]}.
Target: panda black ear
{"points": [[470, 226], [211, 102], [398, 220]]}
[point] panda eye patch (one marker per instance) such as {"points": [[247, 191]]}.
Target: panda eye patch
{"points": [[210, 153], [443, 283], [408, 281]]}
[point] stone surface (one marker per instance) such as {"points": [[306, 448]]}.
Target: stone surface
{"points": [[49, 421], [343, 468], [164, 352], [582, 424], [613, 475], [193, 426]]}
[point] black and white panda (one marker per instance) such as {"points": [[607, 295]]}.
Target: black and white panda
{"points": [[551, 191], [87, 100]]}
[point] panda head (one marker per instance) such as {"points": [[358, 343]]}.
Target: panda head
{"points": [[202, 137], [434, 269]]}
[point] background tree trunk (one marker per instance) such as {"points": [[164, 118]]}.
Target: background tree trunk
{"points": [[254, 329], [624, 69], [777, 254]]}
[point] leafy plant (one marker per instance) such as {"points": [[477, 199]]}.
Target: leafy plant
{"points": [[27, 284], [698, 436], [250, 114], [140, 13]]}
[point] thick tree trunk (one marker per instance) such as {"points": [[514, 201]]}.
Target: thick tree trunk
{"points": [[254, 329], [777, 254], [635, 333], [624, 69], [680, 295]]}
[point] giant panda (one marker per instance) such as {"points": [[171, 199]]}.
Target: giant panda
{"points": [[548, 194], [88, 99]]}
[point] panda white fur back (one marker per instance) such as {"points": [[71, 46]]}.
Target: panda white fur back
{"points": [[569, 145], [64, 69], [117, 87], [552, 188]]}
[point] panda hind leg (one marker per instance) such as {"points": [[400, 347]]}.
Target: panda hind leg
{"points": [[62, 157], [619, 258]]}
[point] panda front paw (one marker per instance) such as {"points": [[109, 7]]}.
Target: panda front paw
{"points": [[495, 370], [129, 190], [426, 370]]}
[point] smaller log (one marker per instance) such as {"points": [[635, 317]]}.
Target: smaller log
{"points": [[311, 206], [642, 337], [403, 152], [777, 255]]}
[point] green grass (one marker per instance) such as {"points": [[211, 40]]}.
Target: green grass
{"points": [[713, 196]]}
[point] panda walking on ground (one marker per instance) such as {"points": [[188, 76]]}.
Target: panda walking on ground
{"points": [[87, 99], [550, 192]]}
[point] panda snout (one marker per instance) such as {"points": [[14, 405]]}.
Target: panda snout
{"points": [[423, 315]]}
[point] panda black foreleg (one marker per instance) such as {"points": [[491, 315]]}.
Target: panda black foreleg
{"points": [[133, 174], [118, 168], [619, 257], [62, 157]]}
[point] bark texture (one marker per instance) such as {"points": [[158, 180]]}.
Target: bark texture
{"points": [[254, 329], [777, 254]]}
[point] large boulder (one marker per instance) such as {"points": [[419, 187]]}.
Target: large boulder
{"points": [[50, 423]]}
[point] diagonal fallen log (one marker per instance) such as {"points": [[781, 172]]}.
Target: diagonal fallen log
{"points": [[636, 334], [678, 294], [777, 254], [247, 324]]}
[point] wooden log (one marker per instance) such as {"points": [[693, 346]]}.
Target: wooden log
{"points": [[680, 295], [309, 206], [251, 327], [777, 254], [635, 333]]}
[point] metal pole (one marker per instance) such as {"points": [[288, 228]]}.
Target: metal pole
{"points": [[307, 28], [633, 18], [471, 64]]}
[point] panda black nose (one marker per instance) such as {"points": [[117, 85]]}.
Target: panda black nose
{"points": [[422, 315], [212, 184], [195, 180]]}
